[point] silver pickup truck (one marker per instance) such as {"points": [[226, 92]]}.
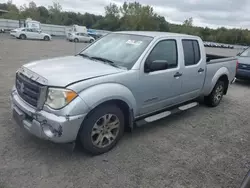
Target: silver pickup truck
{"points": [[122, 79]]}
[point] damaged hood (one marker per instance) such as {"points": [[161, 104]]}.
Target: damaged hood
{"points": [[63, 71]]}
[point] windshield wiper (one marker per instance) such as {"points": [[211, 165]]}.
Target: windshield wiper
{"points": [[112, 63], [84, 55], [101, 59]]}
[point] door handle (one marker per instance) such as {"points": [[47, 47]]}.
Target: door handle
{"points": [[200, 70], [177, 75]]}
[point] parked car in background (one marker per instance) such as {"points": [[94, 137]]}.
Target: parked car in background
{"points": [[29, 33], [122, 79], [80, 37], [217, 45], [243, 71]]}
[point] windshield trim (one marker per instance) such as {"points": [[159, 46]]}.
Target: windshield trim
{"points": [[150, 39], [116, 34]]}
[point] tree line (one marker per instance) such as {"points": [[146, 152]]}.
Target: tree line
{"points": [[129, 16]]}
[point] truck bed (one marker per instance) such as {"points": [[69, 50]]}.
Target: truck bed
{"points": [[211, 58]]}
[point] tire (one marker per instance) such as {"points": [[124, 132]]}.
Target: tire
{"points": [[76, 40], [46, 38], [215, 97], [94, 136], [22, 36], [91, 40]]}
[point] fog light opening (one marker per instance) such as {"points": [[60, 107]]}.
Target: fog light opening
{"points": [[48, 132]]}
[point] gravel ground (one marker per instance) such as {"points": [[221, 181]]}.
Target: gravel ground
{"points": [[203, 147]]}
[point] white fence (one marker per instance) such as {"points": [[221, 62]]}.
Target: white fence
{"points": [[8, 24], [51, 29], [57, 30]]}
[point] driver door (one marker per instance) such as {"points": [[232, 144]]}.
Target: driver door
{"points": [[85, 37], [36, 34], [29, 33], [160, 88]]}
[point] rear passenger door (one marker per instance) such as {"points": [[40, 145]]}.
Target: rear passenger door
{"points": [[29, 33], [36, 34], [193, 71]]}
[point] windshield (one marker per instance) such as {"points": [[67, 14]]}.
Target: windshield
{"points": [[121, 49], [246, 52]]}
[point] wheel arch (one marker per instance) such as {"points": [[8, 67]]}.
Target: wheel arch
{"points": [[223, 75], [127, 111], [111, 93], [128, 114], [224, 78]]}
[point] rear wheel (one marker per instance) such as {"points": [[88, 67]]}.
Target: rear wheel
{"points": [[76, 40], [22, 36], [46, 38], [216, 95], [91, 40], [102, 129]]}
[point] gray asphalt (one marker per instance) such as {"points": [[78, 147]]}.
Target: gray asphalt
{"points": [[203, 147]]}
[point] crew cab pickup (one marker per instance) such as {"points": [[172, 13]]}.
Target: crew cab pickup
{"points": [[121, 80]]}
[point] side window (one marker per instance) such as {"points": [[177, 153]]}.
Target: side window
{"points": [[77, 34], [34, 30], [191, 52], [165, 50]]}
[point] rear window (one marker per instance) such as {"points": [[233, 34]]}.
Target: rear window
{"points": [[191, 52]]}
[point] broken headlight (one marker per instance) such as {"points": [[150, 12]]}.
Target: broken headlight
{"points": [[58, 97]]}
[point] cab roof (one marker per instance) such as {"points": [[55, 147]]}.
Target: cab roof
{"points": [[155, 34]]}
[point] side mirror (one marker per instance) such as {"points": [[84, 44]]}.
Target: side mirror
{"points": [[156, 65]]}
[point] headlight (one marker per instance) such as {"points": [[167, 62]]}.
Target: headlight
{"points": [[58, 98]]}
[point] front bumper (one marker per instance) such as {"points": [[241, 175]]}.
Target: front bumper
{"points": [[48, 126]]}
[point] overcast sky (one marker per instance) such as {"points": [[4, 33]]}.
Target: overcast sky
{"points": [[211, 13]]}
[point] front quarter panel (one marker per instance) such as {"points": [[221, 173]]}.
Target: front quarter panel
{"points": [[98, 94]]}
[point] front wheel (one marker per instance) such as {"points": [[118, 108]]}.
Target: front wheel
{"points": [[76, 40], [102, 129], [216, 95], [91, 40]]}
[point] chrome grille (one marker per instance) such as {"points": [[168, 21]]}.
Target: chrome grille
{"points": [[28, 89]]}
